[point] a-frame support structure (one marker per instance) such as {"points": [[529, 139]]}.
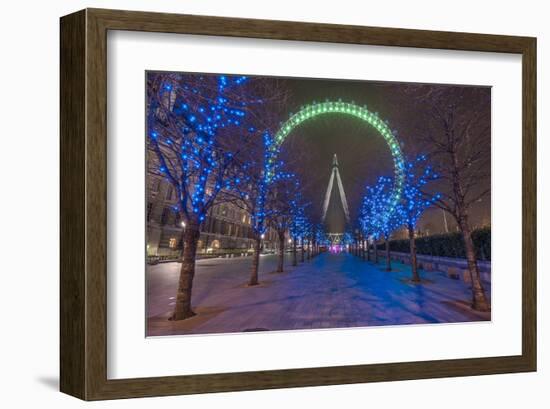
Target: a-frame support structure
{"points": [[335, 175]]}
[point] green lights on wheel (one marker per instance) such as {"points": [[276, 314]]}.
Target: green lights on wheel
{"points": [[330, 107]]}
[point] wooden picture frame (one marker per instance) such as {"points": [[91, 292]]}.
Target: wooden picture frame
{"points": [[84, 203]]}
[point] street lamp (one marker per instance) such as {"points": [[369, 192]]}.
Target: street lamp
{"points": [[262, 237]]}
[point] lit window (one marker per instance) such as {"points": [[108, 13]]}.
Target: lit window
{"points": [[172, 243]]}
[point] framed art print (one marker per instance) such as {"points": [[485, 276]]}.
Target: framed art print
{"points": [[252, 204]]}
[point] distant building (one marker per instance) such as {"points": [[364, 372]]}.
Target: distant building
{"points": [[225, 229]]}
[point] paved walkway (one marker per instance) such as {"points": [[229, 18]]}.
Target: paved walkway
{"points": [[330, 291]]}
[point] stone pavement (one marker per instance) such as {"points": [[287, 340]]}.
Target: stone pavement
{"points": [[330, 291]]}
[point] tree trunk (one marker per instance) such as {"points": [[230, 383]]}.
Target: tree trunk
{"points": [[414, 267], [183, 309], [303, 252], [294, 251], [368, 249], [479, 300], [280, 263], [375, 244], [388, 258], [363, 250], [255, 261]]}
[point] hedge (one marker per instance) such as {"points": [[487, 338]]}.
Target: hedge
{"points": [[447, 245]]}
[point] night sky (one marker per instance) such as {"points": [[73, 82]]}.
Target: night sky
{"points": [[362, 153]]}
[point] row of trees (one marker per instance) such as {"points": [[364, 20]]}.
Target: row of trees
{"points": [[211, 138], [453, 128], [380, 216]]}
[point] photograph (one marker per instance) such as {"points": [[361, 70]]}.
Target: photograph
{"points": [[284, 204], [266, 205]]}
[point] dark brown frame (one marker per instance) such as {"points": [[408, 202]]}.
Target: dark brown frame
{"points": [[84, 203]]}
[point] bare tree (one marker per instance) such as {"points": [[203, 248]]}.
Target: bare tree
{"points": [[280, 212], [253, 187], [260, 169], [458, 136]]}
